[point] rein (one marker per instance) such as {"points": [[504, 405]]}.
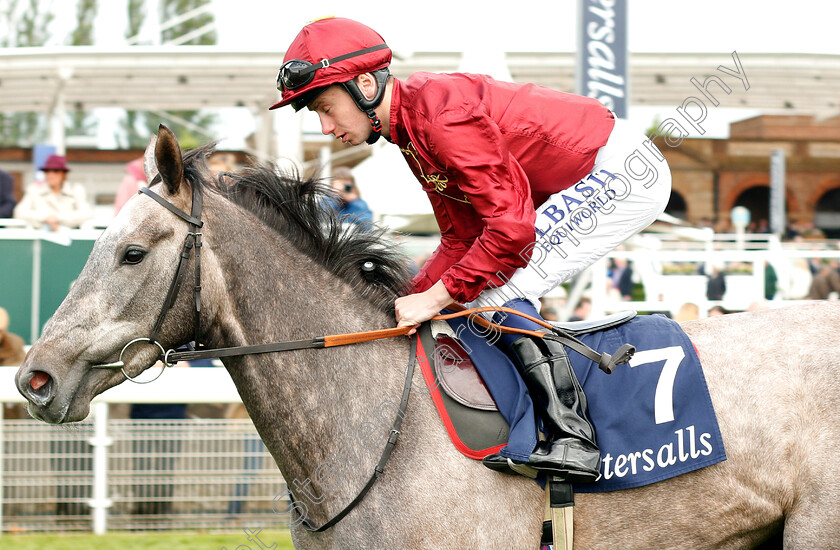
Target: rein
{"points": [[168, 358], [604, 361]]}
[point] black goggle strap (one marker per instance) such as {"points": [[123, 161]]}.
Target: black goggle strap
{"points": [[323, 64]]}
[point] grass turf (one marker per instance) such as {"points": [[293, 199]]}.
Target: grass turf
{"points": [[156, 541]]}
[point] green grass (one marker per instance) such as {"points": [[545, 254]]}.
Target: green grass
{"points": [[157, 541]]}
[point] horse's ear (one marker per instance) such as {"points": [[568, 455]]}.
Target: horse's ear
{"points": [[168, 158], [149, 166]]}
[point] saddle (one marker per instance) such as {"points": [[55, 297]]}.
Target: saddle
{"points": [[461, 397], [472, 418]]}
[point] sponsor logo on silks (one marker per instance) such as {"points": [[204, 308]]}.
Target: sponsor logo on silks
{"points": [[593, 195]]}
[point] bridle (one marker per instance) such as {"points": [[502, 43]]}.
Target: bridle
{"points": [[193, 242]]}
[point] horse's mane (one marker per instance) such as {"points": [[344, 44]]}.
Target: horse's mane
{"points": [[298, 209]]}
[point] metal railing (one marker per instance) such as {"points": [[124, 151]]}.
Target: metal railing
{"points": [[127, 474]]}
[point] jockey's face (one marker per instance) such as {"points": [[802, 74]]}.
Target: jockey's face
{"points": [[340, 116]]}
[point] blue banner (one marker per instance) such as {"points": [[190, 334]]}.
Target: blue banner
{"points": [[602, 69]]}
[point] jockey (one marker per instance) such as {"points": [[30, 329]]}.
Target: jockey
{"points": [[529, 186]]}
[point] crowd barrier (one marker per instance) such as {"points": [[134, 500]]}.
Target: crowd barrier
{"points": [[124, 474], [36, 270]]}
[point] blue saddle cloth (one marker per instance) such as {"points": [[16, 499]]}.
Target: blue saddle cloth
{"points": [[653, 417]]}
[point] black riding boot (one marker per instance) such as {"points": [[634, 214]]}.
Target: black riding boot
{"points": [[569, 450]]}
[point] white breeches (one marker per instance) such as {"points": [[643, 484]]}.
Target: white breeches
{"points": [[628, 187]]}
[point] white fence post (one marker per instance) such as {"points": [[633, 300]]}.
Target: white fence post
{"points": [[2, 457], [599, 296], [100, 502]]}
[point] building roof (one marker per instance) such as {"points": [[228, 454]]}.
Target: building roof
{"points": [[191, 77]]}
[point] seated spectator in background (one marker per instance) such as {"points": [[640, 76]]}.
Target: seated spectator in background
{"points": [[349, 202], [826, 281], [134, 179], [688, 312], [582, 310], [11, 345], [7, 198], [58, 203], [716, 311]]}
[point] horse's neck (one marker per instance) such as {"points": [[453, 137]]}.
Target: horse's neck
{"points": [[323, 413]]}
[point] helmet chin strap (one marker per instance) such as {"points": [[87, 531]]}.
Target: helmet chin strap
{"points": [[366, 105], [375, 127]]}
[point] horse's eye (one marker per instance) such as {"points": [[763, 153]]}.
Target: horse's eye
{"points": [[133, 256]]}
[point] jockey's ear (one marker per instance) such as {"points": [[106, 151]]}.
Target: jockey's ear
{"points": [[168, 159], [367, 85]]}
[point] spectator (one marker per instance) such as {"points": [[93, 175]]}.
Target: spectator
{"points": [[716, 287], [221, 162], [771, 281], [622, 278], [582, 311], [549, 313], [349, 202], [134, 179], [826, 281], [799, 280], [11, 345], [7, 197], [715, 311], [688, 312], [56, 204]]}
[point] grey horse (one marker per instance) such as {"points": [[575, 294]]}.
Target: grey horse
{"points": [[276, 266]]}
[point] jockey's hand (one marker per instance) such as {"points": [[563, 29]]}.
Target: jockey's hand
{"points": [[413, 309]]}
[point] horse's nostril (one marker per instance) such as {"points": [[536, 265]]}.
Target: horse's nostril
{"points": [[39, 379]]}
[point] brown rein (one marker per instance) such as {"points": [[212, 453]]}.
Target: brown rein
{"points": [[335, 340], [366, 336]]}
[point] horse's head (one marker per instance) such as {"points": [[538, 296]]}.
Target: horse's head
{"points": [[117, 298]]}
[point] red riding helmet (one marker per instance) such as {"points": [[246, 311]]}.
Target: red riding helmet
{"points": [[334, 51], [329, 51]]}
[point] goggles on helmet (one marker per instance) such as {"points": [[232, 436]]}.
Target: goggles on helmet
{"points": [[297, 73]]}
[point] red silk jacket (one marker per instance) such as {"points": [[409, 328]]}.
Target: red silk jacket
{"points": [[488, 153]]}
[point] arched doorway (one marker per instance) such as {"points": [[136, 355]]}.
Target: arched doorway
{"points": [[757, 201], [677, 206], [827, 213]]}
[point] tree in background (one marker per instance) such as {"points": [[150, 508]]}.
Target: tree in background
{"points": [[85, 15], [137, 125], [81, 124], [23, 24], [133, 139], [177, 33]]}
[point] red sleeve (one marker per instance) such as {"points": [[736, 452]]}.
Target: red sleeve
{"points": [[471, 145]]}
